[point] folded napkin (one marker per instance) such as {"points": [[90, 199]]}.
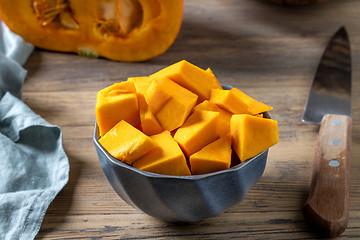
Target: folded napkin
{"points": [[13, 46], [33, 164]]}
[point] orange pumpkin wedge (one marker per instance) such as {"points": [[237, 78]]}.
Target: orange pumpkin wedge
{"points": [[149, 124], [120, 30], [251, 135], [214, 157], [108, 102], [126, 142], [224, 116], [199, 130], [216, 84], [166, 159]]}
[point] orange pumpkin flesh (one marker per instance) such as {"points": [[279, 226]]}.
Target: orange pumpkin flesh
{"points": [[120, 30], [206, 133]]}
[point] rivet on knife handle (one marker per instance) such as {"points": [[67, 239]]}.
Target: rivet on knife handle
{"points": [[327, 208]]}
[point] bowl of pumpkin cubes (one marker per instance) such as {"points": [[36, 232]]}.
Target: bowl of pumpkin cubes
{"points": [[180, 146]]}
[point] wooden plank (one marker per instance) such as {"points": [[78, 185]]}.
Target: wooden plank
{"points": [[267, 50]]}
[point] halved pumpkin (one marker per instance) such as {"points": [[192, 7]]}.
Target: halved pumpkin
{"points": [[120, 30]]}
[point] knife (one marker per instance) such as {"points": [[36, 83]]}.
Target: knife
{"points": [[329, 104]]}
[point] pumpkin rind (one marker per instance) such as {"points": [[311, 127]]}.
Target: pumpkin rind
{"points": [[145, 29]]}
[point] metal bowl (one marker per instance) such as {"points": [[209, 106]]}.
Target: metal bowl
{"points": [[181, 198]]}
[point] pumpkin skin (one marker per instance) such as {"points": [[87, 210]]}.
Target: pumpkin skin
{"points": [[120, 30]]}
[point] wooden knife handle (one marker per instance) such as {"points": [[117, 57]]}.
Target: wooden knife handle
{"points": [[327, 208]]}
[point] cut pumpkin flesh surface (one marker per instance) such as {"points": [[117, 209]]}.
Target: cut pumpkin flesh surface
{"points": [[228, 100], [254, 106], [167, 158], [224, 116], [172, 133], [199, 130], [126, 143], [121, 30], [115, 103], [251, 135], [169, 102], [215, 156], [149, 124], [190, 77], [216, 84]]}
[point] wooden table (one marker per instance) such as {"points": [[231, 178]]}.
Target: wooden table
{"points": [[267, 50]]}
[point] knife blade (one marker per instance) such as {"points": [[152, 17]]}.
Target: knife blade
{"points": [[329, 104]]}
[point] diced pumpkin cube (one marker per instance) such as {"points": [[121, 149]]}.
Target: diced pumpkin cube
{"points": [[149, 123], [141, 84], [166, 159], [115, 103], [228, 100], [216, 84], [213, 157], [190, 77], [173, 112], [251, 135], [254, 105], [199, 130], [126, 142], [157, 95], [224, 116]]}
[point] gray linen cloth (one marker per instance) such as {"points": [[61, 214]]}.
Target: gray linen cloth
{"points": [[33, 165]]}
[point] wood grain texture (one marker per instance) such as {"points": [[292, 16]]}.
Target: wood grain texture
{"points": [[267, 50], [327, 208], [297, 2]]}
